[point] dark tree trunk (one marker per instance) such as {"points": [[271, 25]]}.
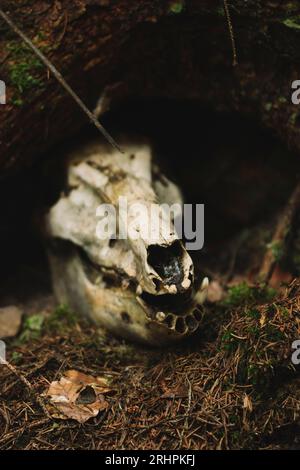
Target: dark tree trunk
{"points": [[171, 48]]}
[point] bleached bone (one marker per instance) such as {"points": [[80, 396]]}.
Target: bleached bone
{"points": [[101, 176], [126, 285], [117, 309]]}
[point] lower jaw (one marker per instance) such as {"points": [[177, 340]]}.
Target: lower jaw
{"points": [[120, 311]]}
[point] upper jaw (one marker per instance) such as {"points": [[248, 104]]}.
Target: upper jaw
{"points": [[155, 257]]}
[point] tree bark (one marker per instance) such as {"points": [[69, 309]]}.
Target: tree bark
{"points": [[169, 48]]}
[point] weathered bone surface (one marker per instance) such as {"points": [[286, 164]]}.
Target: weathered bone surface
{"points": [[140, 286]]}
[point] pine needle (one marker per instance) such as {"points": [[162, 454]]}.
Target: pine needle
{"points": [[27, 384]]}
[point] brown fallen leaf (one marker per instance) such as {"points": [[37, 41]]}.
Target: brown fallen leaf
{"points": [[10, 321], [78, 396]]}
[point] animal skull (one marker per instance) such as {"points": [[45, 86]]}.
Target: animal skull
{"points": [[140, 286]]}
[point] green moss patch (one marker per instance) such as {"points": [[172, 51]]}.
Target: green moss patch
{"points": [[243, 293], [177, 7], [24, 70], [293, 23]]}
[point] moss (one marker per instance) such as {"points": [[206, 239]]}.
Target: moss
{"points": [[22, 78], [284, 312], [253, 330], [254, 374], [293, 118], [235, 437], [17, 101], [61, 319], [32, 328], [282, 100], [238, 294], [274, 334], [16, 357], [268, 107], [293, 22], [234, 419], [220, 11], [242, 294], [252, 314], [277, 250], [24, 70], [177, 7], [228, 341]]}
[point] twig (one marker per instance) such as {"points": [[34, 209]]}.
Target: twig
{"points": [[60, 79], [27, 385], [187, 414], [231, 33], [280, 236]]}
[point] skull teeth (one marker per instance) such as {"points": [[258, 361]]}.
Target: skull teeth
{"points": [[170, 321], [204, 284], [191, 323], [197, 314], [160, 316], [182, 324]]}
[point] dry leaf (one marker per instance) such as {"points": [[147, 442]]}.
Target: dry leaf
{"points": [[78, 396]]}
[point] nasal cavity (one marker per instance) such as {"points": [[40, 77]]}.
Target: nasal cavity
{"points": [[167, 262]]}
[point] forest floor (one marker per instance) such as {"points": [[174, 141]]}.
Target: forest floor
{"points": [[232, 386]]}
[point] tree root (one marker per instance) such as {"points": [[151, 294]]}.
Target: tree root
{"points": [[278, 245]]}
